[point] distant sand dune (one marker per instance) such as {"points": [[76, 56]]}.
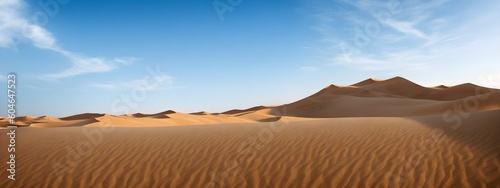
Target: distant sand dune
{"points": [[395, 97]]}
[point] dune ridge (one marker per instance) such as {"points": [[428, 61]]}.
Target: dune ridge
{"points": [[395, 97]]}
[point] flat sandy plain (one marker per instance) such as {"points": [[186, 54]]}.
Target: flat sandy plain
{"points": [[376, 133]]}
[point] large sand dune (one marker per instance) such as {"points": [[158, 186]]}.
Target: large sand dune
{"points": [[376, 133]]}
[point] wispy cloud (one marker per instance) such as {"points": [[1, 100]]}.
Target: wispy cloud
{"points": [[158, 82], [401, 16], [15, 26], [436, 43], [2, 77], [84, 65], [406, 28], [384, 35]]}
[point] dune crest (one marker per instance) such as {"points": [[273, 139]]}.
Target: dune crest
{"points": [[367, 82]]}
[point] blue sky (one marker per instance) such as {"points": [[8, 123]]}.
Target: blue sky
{"points": [[76, 56]]}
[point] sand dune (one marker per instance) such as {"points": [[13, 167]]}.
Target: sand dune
{"points": [[375, 133], [405, 88], [395, 97], [353, 106]]}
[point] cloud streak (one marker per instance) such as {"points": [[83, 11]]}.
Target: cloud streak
{"points": [[383, 34], [406, 28], [436, 43], [15, 27]]}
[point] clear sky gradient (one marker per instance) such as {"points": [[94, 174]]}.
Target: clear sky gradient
{"points": [[128, 56]]}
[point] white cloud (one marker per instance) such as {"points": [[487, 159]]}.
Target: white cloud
{"points": [[403, 47], [389, 13], [14, 27], [2, 77], [465, 55], [425, 40], [40, 37], [84, 65], [10, 21]]}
